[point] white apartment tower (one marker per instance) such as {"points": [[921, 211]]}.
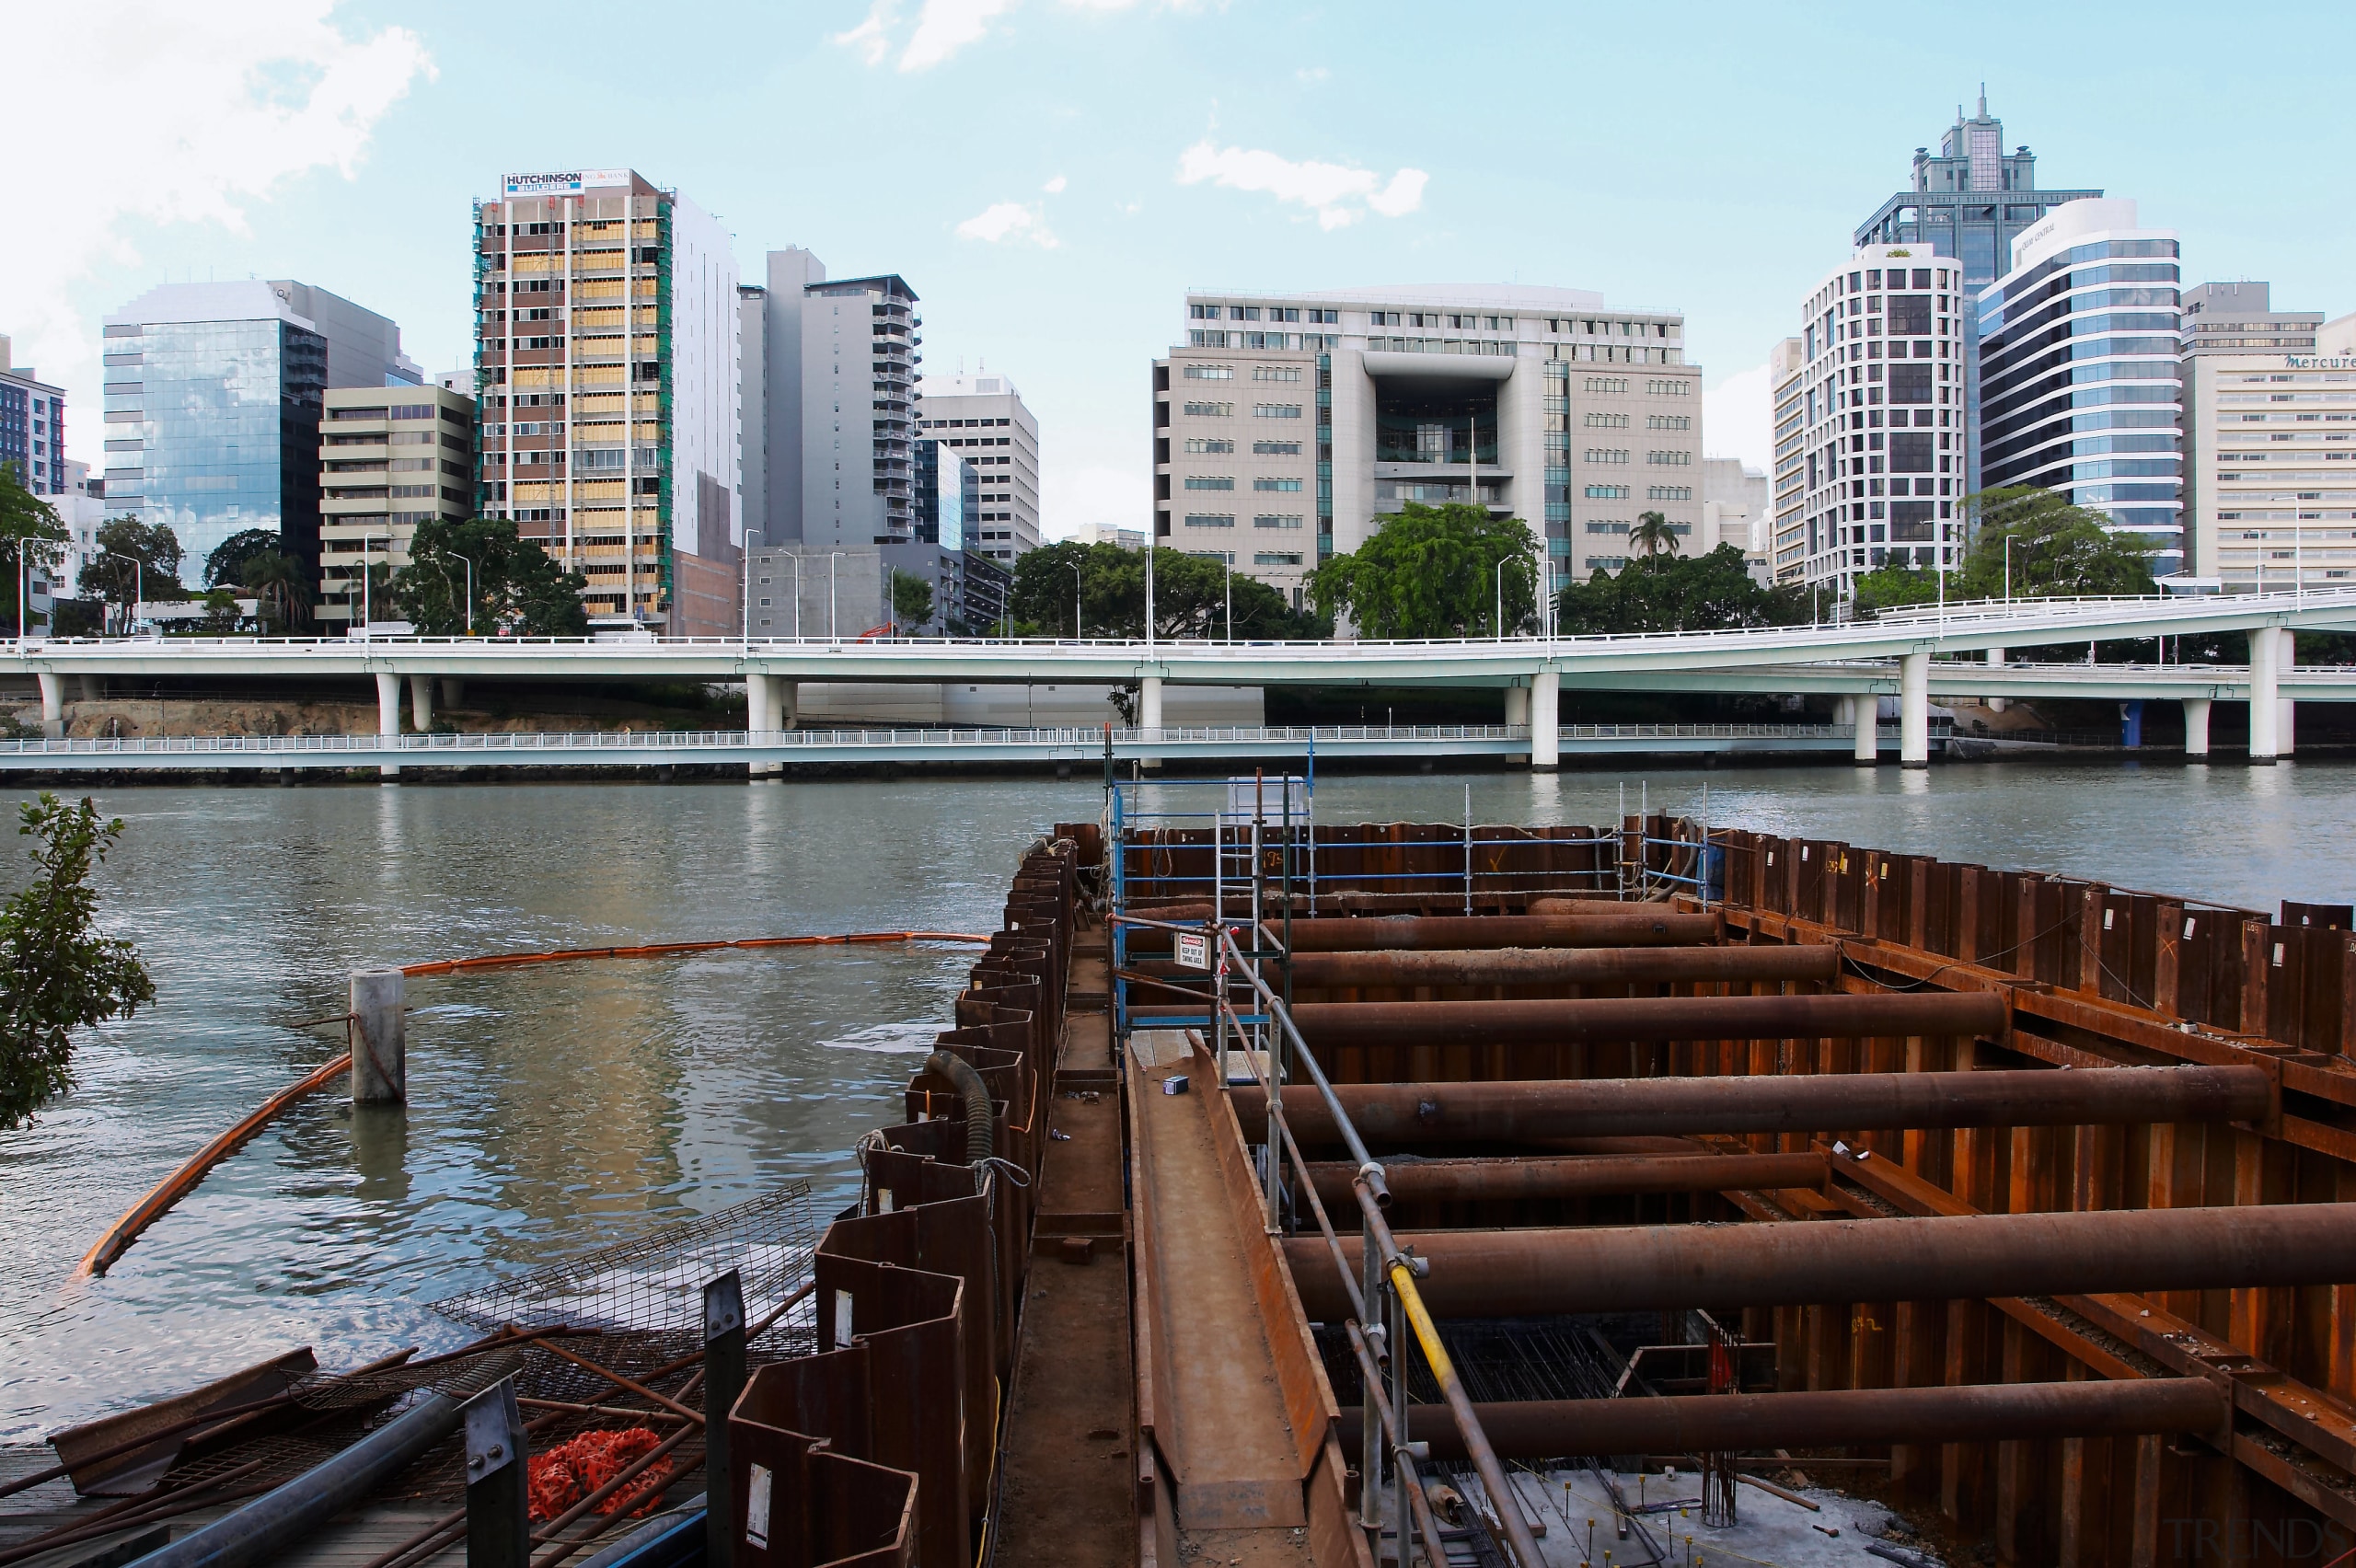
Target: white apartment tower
{"points": [[1287, 427], [981, 418], [1869, 432], [2269, 451]]}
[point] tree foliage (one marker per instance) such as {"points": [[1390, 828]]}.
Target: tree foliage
{"points": [[519, 589], [33, 531], [1190, 596], [226, 567], [2057, 550], [911, 602], [60, 974], [1704, 593], [283, 585], [1433, 571], [111, 578], [1653, 537]]}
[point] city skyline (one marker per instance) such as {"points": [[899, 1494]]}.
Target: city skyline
{"points": [[1133, 154]]}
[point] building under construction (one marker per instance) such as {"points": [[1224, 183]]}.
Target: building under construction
{"points": [[1330, 1195]]}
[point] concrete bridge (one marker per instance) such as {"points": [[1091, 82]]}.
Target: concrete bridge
{"points": [[1950, 649]]}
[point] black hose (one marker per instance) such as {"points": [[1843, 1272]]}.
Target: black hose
{"points": [[270, 1524], [974, 1096]]}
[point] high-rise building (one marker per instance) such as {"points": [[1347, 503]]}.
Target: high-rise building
{"points": [[1288, 428], [2269, 444], [1869, 434], [2078, 371], [1968, 203], [982, 416], [605, 362], [32, 427], [388, 461], [837, 406], [1733, 510], [213, 394], [1787, 517]]}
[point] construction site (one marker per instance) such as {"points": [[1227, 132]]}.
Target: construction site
{"points": [[1287, 1192]]}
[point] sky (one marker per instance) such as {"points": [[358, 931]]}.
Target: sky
{"points": [[1051, 175]]}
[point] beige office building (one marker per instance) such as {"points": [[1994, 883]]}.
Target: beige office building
{"points": [[390, 458], [2270, 463], [1288, 427], [982, 418]]}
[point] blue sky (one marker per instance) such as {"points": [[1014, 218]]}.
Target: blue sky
{"points": [[1051, 175]]}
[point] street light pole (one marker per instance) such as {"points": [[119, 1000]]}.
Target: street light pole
{"points": [[470, 593], [2008, 569], [833, 555], [140, 568], [1227, 589], [1075, 597]]}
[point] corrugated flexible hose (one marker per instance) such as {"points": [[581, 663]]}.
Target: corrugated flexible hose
{"points": [[976, 1097]]}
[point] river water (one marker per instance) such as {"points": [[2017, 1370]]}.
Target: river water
{"points": [[557, 1108]]}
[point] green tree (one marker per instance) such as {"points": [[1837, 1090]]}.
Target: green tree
{"points": [[31, 527], [59, 973], [281, 584], [226, 567], [519, 587], [1653, 537], [1190, 595], [2057, 548], [221, 614], [1706, 593], [1433, 571], [911, 602], [116, 581]]}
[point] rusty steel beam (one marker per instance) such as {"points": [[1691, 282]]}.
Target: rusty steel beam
{"points": [[1469, 1180], [1564, 966], [1696, 1423], [1613, 925], [1527, 1111], [1494, 1273], [1617, 1019]]}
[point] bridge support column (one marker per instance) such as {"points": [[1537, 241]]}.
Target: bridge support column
{"points": [[1546, 719], [421, 703], [92, 686], [1865, 712], [1149, 714], [1914, 710], [786, 705], [1995, 658], [763, 702], [52, 704], [1516, 705], [454, 691], [388, 715], [2265, 701], [2286, 720], [2196, 727]]}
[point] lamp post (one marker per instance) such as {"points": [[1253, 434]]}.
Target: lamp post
{"points": [[1227, 588], [2008, 569], [1075, 598], [470, 593], [1148, 592], [1501, 598], [140, 591], [366, 604], [832, 556]]}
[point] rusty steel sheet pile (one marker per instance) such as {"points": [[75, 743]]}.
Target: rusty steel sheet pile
{"points": [[2033, 1198]]}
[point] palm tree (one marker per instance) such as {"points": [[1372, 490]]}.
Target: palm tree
{"points": [[281, 580], [1653, 537]]}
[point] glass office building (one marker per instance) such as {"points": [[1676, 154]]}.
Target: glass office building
{"points": [[213, 394], [2078, 374]]}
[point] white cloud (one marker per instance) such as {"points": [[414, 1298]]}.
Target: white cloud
{"points": [[1055, 186], [233, 100], [1009, 220], [1312, 74], [1738, 419], [944, 26], [1331, 191]]}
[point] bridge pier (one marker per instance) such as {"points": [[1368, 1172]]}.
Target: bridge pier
{"points": [[763, 699], [1865, 712], [454, 691], [421, 703], [2265, 696], [1546, 719], [1914, 710], [389, 716], [1516, 705], [1149, 714], [2196, 727], [1995, 658], [2286, 721], [52, 704]]}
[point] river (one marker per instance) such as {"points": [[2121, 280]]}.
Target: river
{"points": [[557, 1108]]}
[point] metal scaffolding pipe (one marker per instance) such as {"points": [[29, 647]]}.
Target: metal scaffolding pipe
{"points": [[1697, 1424], [1528, 1110], [1613, 924], [1469, 1180], [1564, 966], [1567, 1021], [1507, 1273]]}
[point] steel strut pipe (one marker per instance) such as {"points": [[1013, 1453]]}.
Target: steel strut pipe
{"points": [[1527, 1111], [1613, 926], [1571, 1020], [1471, 1181], [1507, 1273], [266, 1526], [1699, 1424], [1564, 966]]}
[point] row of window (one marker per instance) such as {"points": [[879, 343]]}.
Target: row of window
{"points": [[961, 425], [1226, 483], [1255, 313], [1227, 520]]}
